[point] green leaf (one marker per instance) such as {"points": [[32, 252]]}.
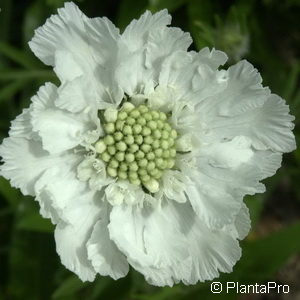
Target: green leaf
{"points": [[11, 195], [18, 56], [35, 222], [171, 5], [69, 287], [129, 10], [11, 89], [27, 74]]}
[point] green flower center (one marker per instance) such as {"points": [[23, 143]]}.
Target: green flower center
{"points": [[138, 146]]}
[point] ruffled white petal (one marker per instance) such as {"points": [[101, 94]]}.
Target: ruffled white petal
{"points": [[71, 244], [87, 46], [193, 75], [25, 161], [93, 170], [242, 224], [145, 44], [172, 186], [246, 108], [59, 192], [204, 254], [105, 257], [81, 210], [59, 130], [122, 191], [22, 127], [144, 235]]}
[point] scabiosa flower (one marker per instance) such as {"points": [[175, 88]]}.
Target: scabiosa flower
{"points": [[143, 154]]}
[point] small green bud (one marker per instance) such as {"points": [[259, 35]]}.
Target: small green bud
{"points": [[105, 156], [170, 163], [109, 127], [139, 154], [120, 156], [143, 162], [122, 174], [151, 185], [172, 152], [142, 172], [160, 124], [167, 127], [130, 121], [129, 157], [146, 131], [173, 133], [133, 166], [145, 178], [111, 150], [120, 124], [138, 139], [165, 134], [133, 175], [127, 130], [141, 120], [135, 113], [118, 136], [121, 146], [171, 142], [145, 148], [158, 152], [113, 163], [159, 162], [152, 125], [157, 133], [150, 156], [143, 108], [100, 146], [111, 172], [135, 181], [166, 154], [162, 116], [155, 114], [151, 166], [147, 116], [123, 166], [109, 140], [158, 174], [129, 139], [156, 144], [122, 115], [164, 144], [127, 106], [133, 148], [137, 128], [148, 140], [110, 114]]}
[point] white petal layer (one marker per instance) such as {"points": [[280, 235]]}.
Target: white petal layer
{"points": [[245, 108], [106, 258], [25, 161], [145, 44], [59, 129], [86, 46], [153, 239], [22, 127], [228, 172], [71, 239], [242, 224]]}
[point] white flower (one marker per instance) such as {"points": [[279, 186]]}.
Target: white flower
{"points": [[143, 154]]}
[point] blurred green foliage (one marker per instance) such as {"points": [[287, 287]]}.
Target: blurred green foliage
{"points": [[264, 32]]}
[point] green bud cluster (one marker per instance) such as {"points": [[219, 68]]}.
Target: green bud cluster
{"points": [[138, 146]]}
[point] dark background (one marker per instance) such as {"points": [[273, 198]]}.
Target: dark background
{"points": [[264, 32]]}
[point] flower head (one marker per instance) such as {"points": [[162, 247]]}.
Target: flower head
{"points": [[143, 154]]}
